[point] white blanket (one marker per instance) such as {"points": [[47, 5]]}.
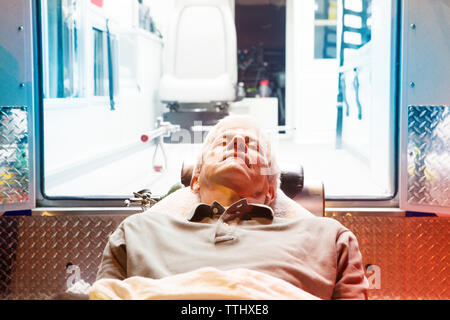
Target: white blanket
{"points": [[201, 284]]}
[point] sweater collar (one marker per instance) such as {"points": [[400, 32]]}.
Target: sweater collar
{"points": [[240, 209]]}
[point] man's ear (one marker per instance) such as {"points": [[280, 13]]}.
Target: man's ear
{"points": [[195, 185], [270, 195]]}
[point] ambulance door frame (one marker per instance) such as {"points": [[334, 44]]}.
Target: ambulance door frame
{"points": [[113, 206], [19, 20]]}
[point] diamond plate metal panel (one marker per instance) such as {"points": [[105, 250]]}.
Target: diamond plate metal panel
{"points": [[405, 258], [8, 248], [14, 168], [412, 255], [36, 251], [429, 155]]}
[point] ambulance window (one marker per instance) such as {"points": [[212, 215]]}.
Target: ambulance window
{"points": [[105, 47], [319, 75], [61, 50], [100, 63], [325, 33]]}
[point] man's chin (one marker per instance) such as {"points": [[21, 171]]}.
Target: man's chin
{"points": [[234, 176], [231, 168]]}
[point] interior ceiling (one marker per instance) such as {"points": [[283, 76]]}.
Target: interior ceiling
{"points": [[260, 2]]}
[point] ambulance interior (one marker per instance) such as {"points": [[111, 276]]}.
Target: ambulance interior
{"points": [[193, 61], [110, 112]]}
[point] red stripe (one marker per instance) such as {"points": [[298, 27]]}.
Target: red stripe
{"points": [[98, 3]]}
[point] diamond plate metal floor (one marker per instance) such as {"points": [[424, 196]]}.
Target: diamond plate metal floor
{"points": [[406, 258]]}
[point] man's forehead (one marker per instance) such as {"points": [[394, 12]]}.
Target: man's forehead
{"points": [[245, 129], [232, 132]]}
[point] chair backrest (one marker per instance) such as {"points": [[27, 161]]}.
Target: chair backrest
{"points": [[200, 53]]}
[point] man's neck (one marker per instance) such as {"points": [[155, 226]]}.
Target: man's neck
{"points": [[223, 195]]}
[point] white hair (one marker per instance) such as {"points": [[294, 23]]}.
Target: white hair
{"points": [[273, 172]]}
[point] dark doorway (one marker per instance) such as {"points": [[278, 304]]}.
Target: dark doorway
{"points": [[261, 37]]}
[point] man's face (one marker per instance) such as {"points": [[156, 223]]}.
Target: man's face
{"points": [[234, 162]]}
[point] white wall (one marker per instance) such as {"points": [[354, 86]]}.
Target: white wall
{"points": [[77, 131], [372, 137], [311, 84], [312, 87], [160, 11]]}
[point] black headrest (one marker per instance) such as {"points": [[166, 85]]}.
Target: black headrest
{"points": [[291, 182]]}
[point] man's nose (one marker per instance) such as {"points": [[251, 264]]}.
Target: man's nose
{"points": [[238, 143]]}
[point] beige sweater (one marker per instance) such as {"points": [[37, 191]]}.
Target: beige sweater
{"points": [[315, 254]]}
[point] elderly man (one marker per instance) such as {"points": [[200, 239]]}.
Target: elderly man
{"points": [[233, 225]]}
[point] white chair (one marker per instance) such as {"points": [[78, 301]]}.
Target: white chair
{"points": [[200, 54]]}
